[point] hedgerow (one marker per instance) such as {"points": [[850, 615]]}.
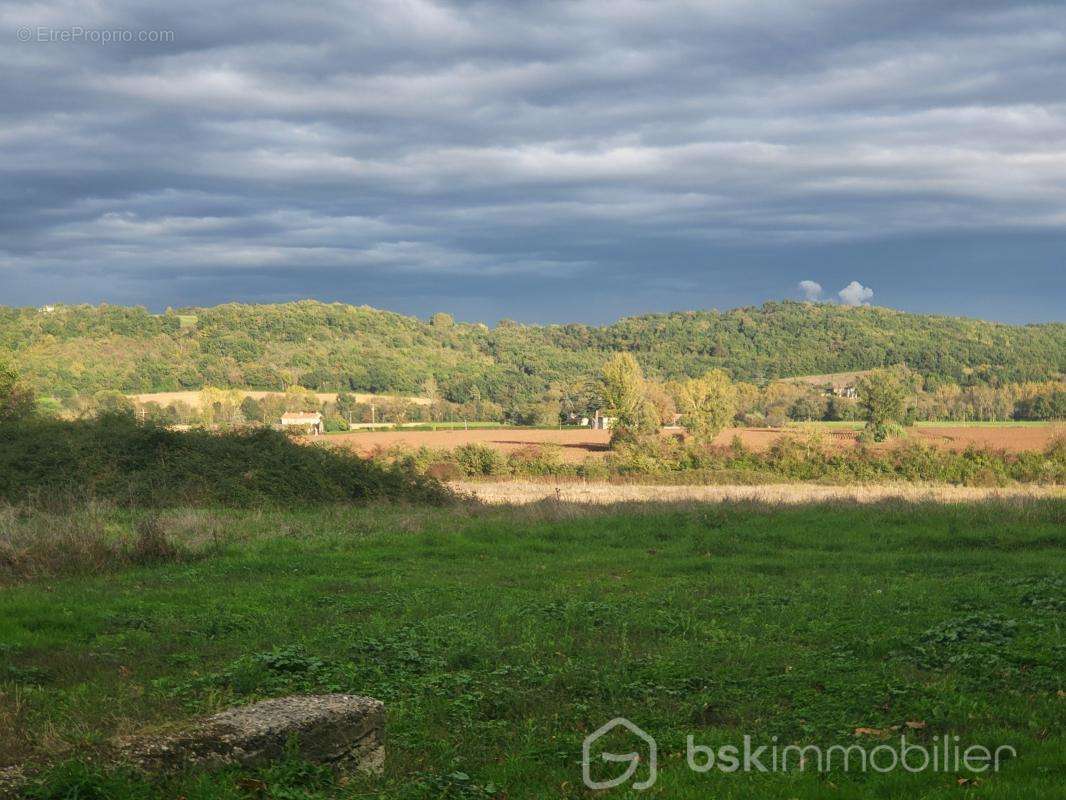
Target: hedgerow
{"points": [[789, 458], [117, 458]]}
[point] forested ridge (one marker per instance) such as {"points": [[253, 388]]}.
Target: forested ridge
{"points": [[73, 350]]}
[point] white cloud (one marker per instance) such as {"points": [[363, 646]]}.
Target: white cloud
{"points": [[855, 294], [812, 290]]}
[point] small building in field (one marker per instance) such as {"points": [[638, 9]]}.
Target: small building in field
{"points": [[838, 384], [309, 420], [599, 422]]}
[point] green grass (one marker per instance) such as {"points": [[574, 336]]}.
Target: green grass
{"points": [[499, 638]]}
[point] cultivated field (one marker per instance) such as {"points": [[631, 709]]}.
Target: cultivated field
{"points": [[579, 443]]}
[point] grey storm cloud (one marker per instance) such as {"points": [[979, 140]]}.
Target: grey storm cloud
{"points": [[479, 154]]}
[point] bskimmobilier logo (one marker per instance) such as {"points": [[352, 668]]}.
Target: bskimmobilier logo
{"points": [[942, 753], [642, 739]]}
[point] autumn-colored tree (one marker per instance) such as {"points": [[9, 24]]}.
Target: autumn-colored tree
{"points": [[299, 398], [661, 402], [623, 395], [220, 406], [707, 404], [748, 395]]}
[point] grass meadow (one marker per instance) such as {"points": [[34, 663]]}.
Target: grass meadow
{"points": [[500, 637]]}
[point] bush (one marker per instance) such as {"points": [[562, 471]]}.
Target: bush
{"points": [[117, 458], [479, 459], [631, 460], [335, 423], [543, 459], [881, 432], [594, 469]]}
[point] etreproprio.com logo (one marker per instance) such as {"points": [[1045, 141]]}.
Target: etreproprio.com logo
{"points": [[79, 34]]}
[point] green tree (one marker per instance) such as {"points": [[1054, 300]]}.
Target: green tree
{"points": [[252, 410], [335, 423], [16, 399], [805, 409], [882, 397], [109, 401], [623, 395], [1042, 407], [708, 404]]}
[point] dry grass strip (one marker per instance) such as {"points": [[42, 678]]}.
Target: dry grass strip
{"points": [[523, 492]]}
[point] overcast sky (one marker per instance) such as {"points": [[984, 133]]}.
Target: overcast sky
{"points": [[537, 160]]}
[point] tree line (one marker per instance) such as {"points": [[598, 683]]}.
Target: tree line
{"points": [[520, 373]]}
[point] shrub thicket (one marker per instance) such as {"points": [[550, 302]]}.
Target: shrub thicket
{"points": [[790, 458], [474, 458], [143, 464]]}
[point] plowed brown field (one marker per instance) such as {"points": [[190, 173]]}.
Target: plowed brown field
{"points": [[579, 443]]}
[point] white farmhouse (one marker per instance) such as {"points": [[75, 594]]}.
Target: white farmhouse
{"points": [[302, 419]]}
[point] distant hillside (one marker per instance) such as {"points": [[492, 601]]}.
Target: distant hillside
{"points": [[837, 380], [194, 398], [67, 350]]}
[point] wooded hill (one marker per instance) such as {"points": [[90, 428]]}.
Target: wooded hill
{"points": [[69, 350]]}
